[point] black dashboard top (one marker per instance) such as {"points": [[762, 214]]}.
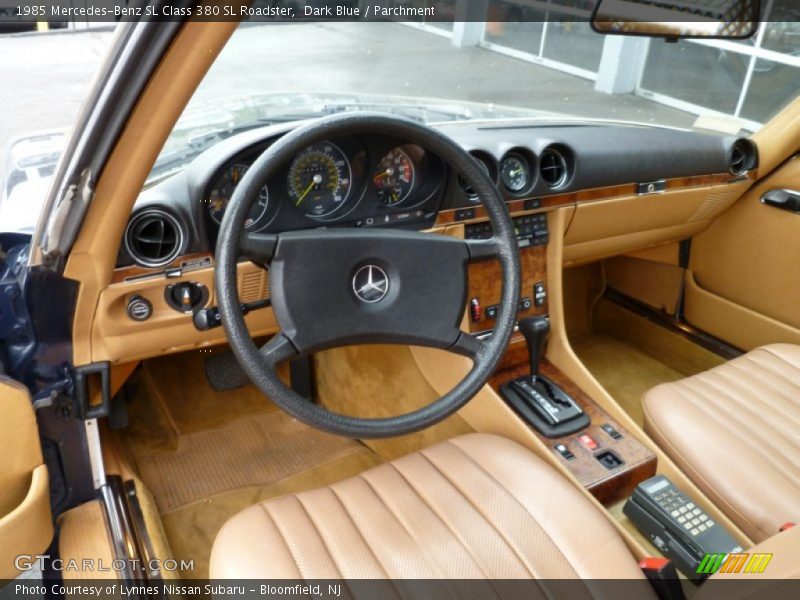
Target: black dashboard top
{"points": [[372, 180]]}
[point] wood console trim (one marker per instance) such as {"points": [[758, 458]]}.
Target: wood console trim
{"points": [[607, 486], [517, 207], [485, 279]]}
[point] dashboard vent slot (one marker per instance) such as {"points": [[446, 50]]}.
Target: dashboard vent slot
{"points": [[553, 168], [253, 286], [154, 238]]}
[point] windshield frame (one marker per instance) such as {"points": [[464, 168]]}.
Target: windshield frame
{"points": [[135, 52]]}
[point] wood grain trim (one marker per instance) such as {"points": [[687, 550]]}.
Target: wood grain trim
{"points": [[123, 273], [606, 486], [485, 279], [517, 207]]}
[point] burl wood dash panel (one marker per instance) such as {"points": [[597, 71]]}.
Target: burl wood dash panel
{"points": [[485, 280]]}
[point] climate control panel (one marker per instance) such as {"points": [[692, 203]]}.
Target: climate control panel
{"points": [[531, 230]]}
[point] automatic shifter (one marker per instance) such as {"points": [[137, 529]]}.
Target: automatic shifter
{"points": [[535, 330], [540, 401]]}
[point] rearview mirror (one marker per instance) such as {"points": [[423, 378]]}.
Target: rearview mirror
{"points": [[678, 18]]}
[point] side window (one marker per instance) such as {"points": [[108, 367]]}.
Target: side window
{"points": [[47, 75]]}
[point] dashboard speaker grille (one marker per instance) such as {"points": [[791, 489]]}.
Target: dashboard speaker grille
{"points": [[714, 204], [253, 286], [154, 238]]}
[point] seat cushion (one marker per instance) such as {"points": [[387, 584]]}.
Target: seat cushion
{"points": [[477, 506], [735, 431]]}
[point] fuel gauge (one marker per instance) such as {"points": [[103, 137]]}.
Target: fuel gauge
{"points": [[221, 194]]}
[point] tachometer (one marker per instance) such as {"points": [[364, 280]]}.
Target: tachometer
{"points": [[394, 177], [222, 191], [319, 180]]}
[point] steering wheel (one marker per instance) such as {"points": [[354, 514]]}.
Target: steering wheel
{"points": [[334, 287]]}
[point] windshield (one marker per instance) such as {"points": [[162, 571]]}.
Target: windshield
{"points": [[521, 62], [434, 72]]}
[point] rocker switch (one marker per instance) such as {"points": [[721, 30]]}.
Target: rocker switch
{"points": [[475, 310], [588, 442]]}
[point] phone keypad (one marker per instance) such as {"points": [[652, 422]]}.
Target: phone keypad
{"points": [[686, 513]]}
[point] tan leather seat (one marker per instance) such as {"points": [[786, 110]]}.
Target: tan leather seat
{"points": [[477, 506], [735, 430]]}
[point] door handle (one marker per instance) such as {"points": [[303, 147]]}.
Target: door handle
{"points": [[783, 199]]}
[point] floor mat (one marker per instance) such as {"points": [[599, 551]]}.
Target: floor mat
{"points": [[629, 354], [252, 451], [623, 370], [665, 345], [191, 530]]}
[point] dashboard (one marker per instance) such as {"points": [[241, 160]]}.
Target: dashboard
{"points": [[377, 181], [577, 190]]}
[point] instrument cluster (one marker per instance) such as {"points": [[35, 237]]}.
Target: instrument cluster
{"points": [[351, 180]]}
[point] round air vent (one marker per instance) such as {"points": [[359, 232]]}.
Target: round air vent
{"points": [[488, 165], [553, 168], [154, 238], [466, 188], [742, 157]]}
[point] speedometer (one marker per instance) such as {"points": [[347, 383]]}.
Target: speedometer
{"points": [[319, 180], [221, 193]]}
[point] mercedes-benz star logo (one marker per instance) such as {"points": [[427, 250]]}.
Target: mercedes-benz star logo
{"points": [[370, 284]]}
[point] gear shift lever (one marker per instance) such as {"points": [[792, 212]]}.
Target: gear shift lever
{"points": [[535, 330], [547, 407]]}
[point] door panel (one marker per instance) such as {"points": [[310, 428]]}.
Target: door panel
{"points": [[747, 267], [25, 519]]}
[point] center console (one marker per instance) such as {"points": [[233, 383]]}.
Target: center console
{"points": [[657, 516], [602, 455], [485, 277]]}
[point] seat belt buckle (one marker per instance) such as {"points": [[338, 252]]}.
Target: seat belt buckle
{"points": [[786, 526], [663, 577]]}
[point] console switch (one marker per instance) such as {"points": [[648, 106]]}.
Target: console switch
{"points": [[539, 293], [564, 451], [609, 460], [612, 433], [475, 310]]}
